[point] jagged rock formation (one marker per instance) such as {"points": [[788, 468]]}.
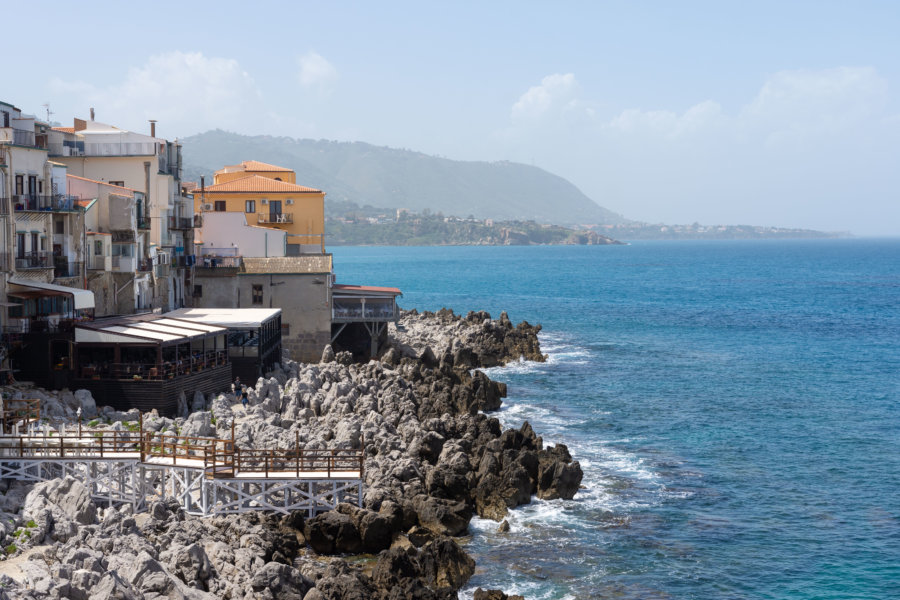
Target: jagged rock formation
{"points": [[433, 459]]}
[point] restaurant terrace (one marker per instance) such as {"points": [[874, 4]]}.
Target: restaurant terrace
{"points": [[148, 361]]}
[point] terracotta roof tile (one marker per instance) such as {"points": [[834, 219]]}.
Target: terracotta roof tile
{"points": [[258, 183], [64, 129], [255, 165]]}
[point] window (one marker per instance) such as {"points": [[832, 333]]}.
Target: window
{"points": [[220, 206], [257, 294], [198, 291], [250, 206], [20, 185], [98, 247], [118, 183], [59, 227]]}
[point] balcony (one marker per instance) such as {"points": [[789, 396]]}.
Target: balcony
{"points": [[22, 137], [34, 260], [181, 262], [145, 265], [35, 203], [219, 262], [274, 218], [124, 264], [100, 263], [161, 270], [67, 269], [180, 223], [346, 311], [143, 222]]}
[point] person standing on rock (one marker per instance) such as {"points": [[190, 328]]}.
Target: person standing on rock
{"points": [[245, 399]]}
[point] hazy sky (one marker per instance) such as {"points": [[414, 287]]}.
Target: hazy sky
{"points": [[769, 113]]}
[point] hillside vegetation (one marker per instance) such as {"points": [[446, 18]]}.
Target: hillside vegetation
{"points": [[389, 178]]}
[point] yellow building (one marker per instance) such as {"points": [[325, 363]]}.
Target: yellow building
{"points": [[269, 197]]}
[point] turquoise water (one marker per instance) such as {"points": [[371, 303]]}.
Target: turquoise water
{"points": [[735, 407]]}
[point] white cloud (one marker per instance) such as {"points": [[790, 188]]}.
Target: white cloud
{"points": [[800, 152], [186, 91], [316, 72], [557, 93]]}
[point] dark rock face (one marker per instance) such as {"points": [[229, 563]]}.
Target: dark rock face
{"points": [[433, 459], [333, 532]]}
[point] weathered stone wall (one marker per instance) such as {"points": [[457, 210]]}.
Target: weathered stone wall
{"points": [[303, 298]]}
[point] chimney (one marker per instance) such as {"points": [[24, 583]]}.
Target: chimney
{"points": [[92, 113], [152, 127], [202, 183]]}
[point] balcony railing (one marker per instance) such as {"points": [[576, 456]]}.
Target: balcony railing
{"points": [[214, 262], [195, 363], [144, 265], [34, 260], [180, 223], [352, 311], [181, 262], [20, 137], [31, 202], [67, 269], [98, 263], [275, 218], [143, 222]]}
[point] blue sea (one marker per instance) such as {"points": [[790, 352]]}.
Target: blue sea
{"points": [[735, 407]]}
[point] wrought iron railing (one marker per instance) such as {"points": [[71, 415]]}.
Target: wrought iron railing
{"points": [[34, 260], [34, 202], [180, 223]]}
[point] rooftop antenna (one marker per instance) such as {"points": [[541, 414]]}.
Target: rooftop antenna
{"points": [[49, 112]]}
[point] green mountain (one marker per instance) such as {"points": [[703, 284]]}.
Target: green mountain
{"points": [[389, 178]]}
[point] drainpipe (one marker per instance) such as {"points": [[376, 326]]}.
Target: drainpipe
{"points": [[117, 290]]}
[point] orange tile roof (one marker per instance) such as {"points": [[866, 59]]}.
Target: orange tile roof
{"points": [[64, 129], [255, 165], [258, 183]]}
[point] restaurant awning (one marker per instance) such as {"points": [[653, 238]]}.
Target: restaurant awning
{"points": [[84, 299]]}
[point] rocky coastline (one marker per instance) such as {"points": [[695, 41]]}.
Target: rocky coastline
{"points": [[434, 458]]}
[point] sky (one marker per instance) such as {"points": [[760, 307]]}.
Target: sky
{"points": [[764, 113]]}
